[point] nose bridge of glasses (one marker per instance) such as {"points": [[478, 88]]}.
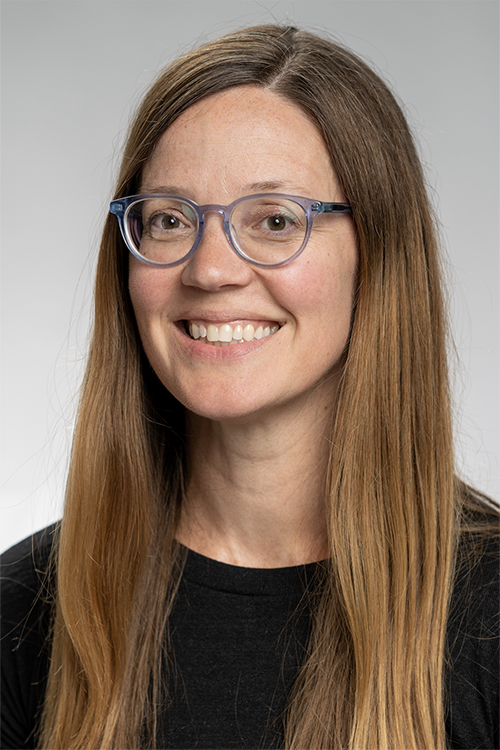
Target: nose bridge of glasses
{"points": [[211, 208]]}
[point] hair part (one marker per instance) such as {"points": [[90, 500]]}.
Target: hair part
{"points": [[373, 677]]}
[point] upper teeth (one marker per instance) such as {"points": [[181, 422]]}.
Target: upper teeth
{"points": [[226, 334]]}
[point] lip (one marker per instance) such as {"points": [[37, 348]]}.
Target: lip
{"points": [[228, 316], [198, 349], [241, 321]]}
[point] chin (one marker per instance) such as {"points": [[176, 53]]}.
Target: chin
{"points": [[227, 410]]}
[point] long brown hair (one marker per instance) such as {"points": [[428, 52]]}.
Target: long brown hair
{"points": [[373, 677]]}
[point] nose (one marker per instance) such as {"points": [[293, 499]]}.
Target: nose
{"points": [[215, 264]]}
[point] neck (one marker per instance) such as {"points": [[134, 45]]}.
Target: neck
{"points": [[256, 492]]}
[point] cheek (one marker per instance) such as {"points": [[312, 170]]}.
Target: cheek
{"points": [[340, 271], [323, 286], [326, 285], [148, 289]]}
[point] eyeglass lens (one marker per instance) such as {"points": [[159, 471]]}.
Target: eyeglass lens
{"points": [[265, 229]]}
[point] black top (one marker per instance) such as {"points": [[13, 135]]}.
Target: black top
{"points": [[238, 637]]}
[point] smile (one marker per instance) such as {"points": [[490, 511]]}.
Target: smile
{"points": [[230, 335]]}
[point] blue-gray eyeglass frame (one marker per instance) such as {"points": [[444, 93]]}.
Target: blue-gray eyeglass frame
{"points": [[312, 208]]}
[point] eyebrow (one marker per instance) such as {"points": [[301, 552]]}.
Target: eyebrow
{"points": [[254, 187], [264, 187], [167, 189]]}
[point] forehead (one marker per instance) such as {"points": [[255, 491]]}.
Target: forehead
{"points": [[244, 135]]}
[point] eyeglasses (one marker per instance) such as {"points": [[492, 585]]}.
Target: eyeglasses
{"points": [[267, 230]]}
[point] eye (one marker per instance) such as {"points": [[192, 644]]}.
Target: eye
{"points": [[276, 223], [165, 221], [274, 219], [169, 222]]}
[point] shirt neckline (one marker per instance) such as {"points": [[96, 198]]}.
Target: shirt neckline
{"points": [[213, 574]]}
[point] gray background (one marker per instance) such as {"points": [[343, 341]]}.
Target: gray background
{"points": [[71, 72]]}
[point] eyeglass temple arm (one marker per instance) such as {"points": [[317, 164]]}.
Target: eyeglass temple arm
{"points": [[329, 208]]}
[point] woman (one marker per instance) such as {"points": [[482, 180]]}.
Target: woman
{"points": [[263, 541]]}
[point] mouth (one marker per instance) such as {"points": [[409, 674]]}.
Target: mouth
{"points": [[226, 334]]}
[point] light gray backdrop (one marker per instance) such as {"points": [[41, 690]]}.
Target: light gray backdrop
{"points": [[71, 72]]}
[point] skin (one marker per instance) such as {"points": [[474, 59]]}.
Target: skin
{"points": [[258, 412]]}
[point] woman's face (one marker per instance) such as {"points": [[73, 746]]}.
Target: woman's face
{"points": [[247, 140]]}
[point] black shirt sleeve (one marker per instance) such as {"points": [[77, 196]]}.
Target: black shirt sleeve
{"points": [[25, 626], [472, 678]]}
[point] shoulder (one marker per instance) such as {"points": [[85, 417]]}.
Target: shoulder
{"points": [[24, 578], [25, 590], [26, 611], [473, 646], [22, 564]]}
